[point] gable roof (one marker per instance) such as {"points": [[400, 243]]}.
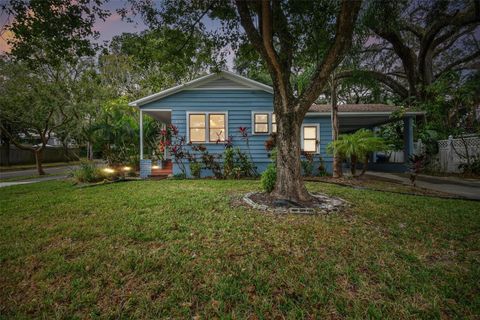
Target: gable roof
{"points": [[211, 81]]}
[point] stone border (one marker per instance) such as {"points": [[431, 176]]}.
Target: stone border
{"points": [[328, 205]]}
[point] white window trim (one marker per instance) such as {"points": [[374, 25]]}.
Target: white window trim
{"points": [[318, 135], [207, 126], [269, 123]]}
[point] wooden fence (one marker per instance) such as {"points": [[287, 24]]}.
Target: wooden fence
{"points": [[50, 154]]}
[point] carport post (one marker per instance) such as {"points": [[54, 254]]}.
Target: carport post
{"points": [[141, 134], [408, 137]]}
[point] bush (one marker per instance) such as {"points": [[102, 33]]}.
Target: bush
{"points": [[245, 165], [472, 168], [179, 176], [229, 163], [87, 172], [195, 169], [268, 178], [307, 168], [237, 164], [322, 172]]}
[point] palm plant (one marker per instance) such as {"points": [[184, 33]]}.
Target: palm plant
{"points": [[357, 147]]}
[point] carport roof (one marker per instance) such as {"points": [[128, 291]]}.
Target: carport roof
{"points": [[355, 116], [359, 108]]}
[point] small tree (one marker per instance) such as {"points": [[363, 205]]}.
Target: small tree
{"points": [[357, 147], [31, 109]]}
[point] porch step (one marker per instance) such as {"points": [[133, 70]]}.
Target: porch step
{"points": [[160, 172], [163, 172]]}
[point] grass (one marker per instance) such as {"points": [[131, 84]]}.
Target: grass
{"points": [[177, 249]]}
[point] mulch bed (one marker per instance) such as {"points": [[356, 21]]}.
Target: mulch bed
{"points": [[320, 203]]}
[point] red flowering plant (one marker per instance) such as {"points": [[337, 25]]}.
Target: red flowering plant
{"points": [[246, 137], [173, 143], [210, 161]]}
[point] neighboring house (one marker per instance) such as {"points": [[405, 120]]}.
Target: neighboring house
{"points": [[217, 105]]}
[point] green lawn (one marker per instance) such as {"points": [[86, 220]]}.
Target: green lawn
{"points": [[177, 249]]}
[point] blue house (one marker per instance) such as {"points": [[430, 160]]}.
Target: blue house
{"points": [[212, 108]]}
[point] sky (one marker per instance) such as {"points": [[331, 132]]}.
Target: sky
{"points": [[112, 26]]}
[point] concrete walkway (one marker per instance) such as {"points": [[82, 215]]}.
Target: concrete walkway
{"points": [[57, 173], [466, 188], [65, 169], [27, 181]]}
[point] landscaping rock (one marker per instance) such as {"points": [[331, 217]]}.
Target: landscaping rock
{"points": [[323, 204]]}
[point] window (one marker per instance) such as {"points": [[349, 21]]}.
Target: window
{"points": [[274, 123], [310, 138], [197, 127], [207, 127], [260, 122], [216, 127]]}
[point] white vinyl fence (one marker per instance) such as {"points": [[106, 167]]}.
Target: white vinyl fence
{"points": [[453, 152]]}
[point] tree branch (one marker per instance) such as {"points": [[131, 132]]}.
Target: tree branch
{"points": [[458, 62], [391, 83], [343, 39]]}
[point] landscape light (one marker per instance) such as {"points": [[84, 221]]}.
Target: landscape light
{"points": [[155, 167], [126, 168], [108, 170]]}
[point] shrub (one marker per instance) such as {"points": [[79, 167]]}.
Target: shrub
{"points": [[268, 178], [87, 172], [307, 168], [245, 166], [472, 168], [195, 169], [179, 176], [321, 168], [229, 163]]}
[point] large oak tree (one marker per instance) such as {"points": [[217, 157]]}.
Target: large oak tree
{"points": [[295, 39], [417, 42]]}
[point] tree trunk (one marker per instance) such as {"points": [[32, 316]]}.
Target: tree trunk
{"points": [[353, 165], [65, 151], [337, 163], [89, 151], [6, 145], [289, 184], [365, 165], [38, 161]]}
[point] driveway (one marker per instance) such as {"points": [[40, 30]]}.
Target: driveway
{"points": [[465, 188]]}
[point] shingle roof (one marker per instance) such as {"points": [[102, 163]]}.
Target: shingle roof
{"points": [[354, 108]]}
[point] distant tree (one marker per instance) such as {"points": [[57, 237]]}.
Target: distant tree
{"points": [[51, 40], [50, 33], [31, 108]]}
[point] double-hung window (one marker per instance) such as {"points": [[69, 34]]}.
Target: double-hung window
{"points": [[207, 127], [274, 123], [260, 122], [310, 138], [216, 126], [264, 123]]}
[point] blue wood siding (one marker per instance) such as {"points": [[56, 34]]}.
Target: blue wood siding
{"points": [[239, 104]]}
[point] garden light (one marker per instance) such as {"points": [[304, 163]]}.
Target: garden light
{"points": [[108, 170], [126, 168]]}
